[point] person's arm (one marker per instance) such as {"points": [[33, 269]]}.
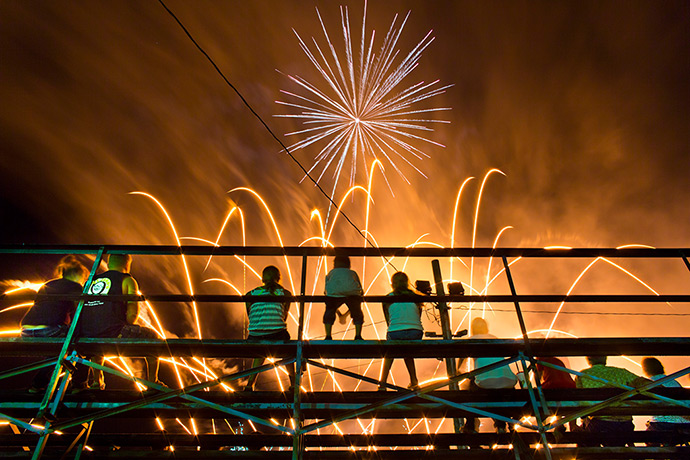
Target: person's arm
{"points": [[286, 305], [130, 287], [358, 282], [639, 381], [386, 306]]}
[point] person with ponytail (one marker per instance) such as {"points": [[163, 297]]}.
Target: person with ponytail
{"points": [[404, 323], [268, 318]]}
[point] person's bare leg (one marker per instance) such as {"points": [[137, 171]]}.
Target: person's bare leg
{"points": [[409, 363], [252, 378], [385, 370]]}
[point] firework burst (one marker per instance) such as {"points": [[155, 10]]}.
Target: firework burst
{"points": [[362, 111]]}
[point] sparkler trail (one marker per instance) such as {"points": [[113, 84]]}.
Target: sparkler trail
{"points": [[376, 268], [361, 113]]}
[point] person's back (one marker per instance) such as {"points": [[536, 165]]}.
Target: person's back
{"points": [[501, 377], [51, 312], [109, 318], [51, 317], [654, 370], [266, 317], [104, 318], [342, 283], [611, 377], [554, 378]]}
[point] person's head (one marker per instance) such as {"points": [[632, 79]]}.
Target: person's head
{"points": [[652, 366], [479, 326], [593, 360], [400, 281], [70, 268], [341, 262], [120, 262], [270, 276]]}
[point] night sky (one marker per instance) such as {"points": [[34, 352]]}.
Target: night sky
{"points": [[584, 105]]}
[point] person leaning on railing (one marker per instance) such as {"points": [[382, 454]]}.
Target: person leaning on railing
{"points": [[51, 317]]}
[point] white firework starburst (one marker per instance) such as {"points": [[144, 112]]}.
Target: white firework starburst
{"points": [[361, 112]]}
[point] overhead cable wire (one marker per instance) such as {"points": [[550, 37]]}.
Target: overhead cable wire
{"points": [[270, 131]]}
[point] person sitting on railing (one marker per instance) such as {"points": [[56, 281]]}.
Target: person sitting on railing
{"points": [[404, 323], [114, 318], [499, 378], [51, 317], [652, 368], [619, 424], [268, 319], [341, 283]]}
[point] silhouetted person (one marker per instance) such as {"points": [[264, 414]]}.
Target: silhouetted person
{"points": [[652, 368], [115, 318], [404, 323], [499, 378], [341, 283], [51, 317], [268, 319], [555, 379], [619, 424]]}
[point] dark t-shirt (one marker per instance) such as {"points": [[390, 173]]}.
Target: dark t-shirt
{"points": [[48, 312], [104, 318]]}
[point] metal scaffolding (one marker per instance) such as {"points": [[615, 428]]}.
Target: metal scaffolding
{"points": [[67, 421]]}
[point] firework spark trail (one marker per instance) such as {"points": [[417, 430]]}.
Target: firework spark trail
{"points": [[586, 269], [476, 220], [184, 261], [360, 112], [208, 373]]}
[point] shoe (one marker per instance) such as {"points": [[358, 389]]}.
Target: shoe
{"points": [[414, 387], [248, 388], [36, 390], [328, 337], [380, 388], [501, 430], [358, 337], [79, 388]]}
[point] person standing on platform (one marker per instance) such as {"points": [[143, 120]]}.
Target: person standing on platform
{"points": [[404, 323], [267, 318], [114, 318], [342, 283], [51, 317]]}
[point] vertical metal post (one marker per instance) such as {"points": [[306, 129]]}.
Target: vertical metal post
{"points": [[298, 437], [533, 367], [535, 406], [50, 390], [451, 368]]}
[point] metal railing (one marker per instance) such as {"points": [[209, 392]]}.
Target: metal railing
{"points": [[301, 352]]}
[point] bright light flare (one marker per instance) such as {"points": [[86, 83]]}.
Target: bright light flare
{"points": [[360, 112]]}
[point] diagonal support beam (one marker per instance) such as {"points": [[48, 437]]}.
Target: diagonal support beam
{"points": [[165, 393]]}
